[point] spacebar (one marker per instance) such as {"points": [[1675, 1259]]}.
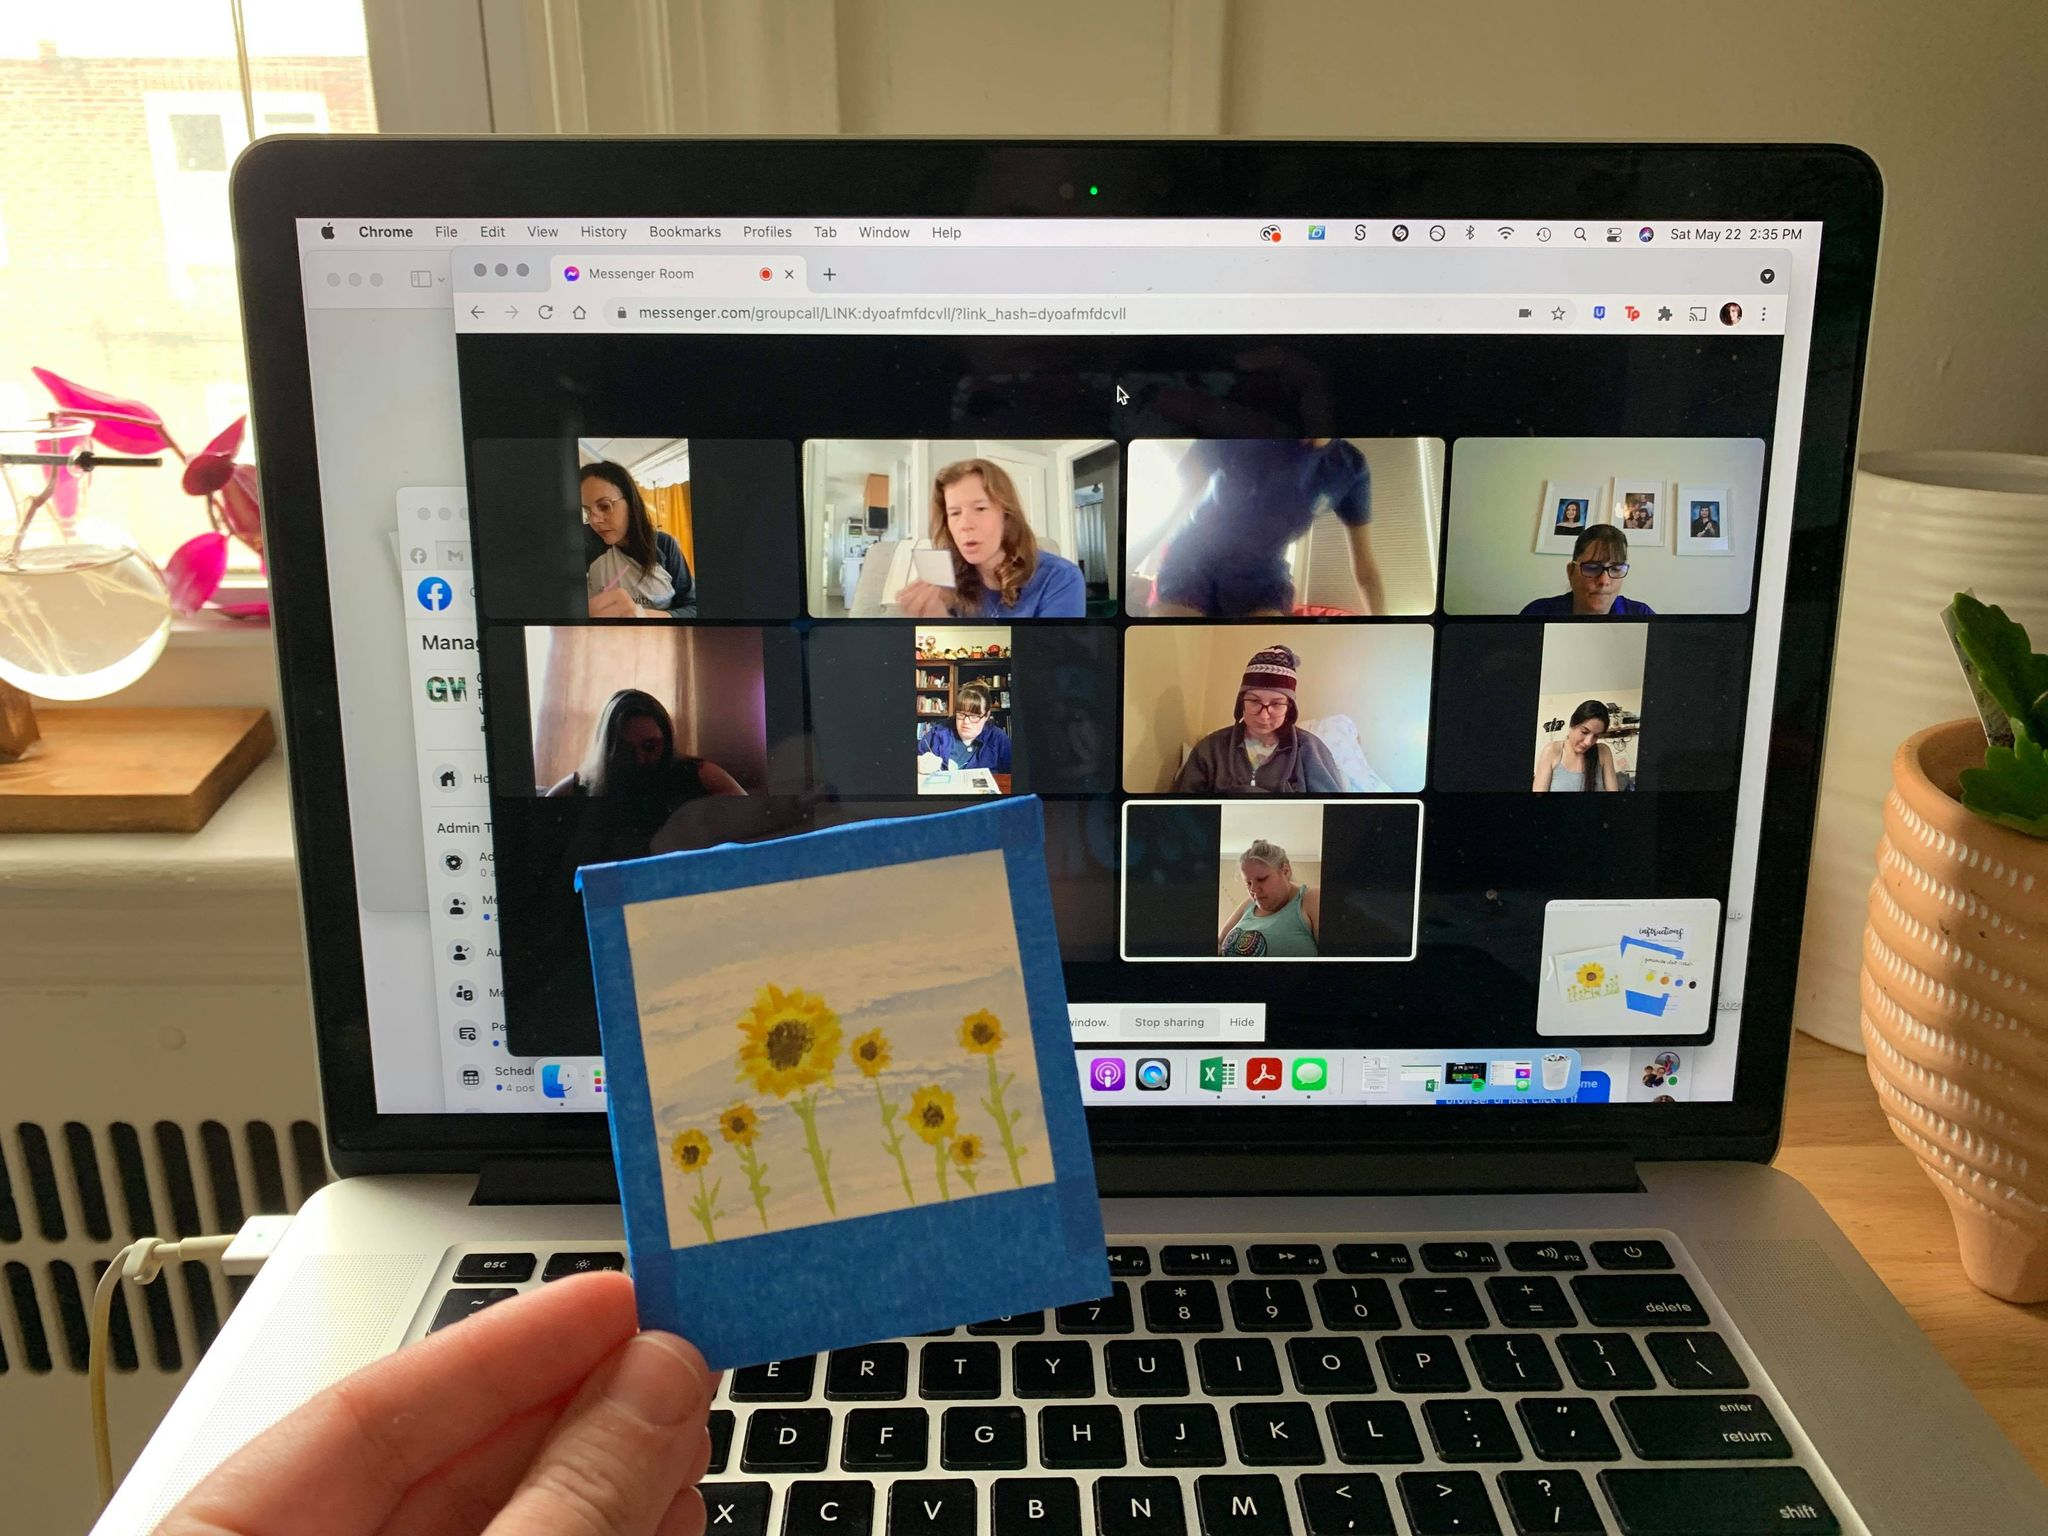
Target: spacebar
{"points": [[1717, 1501]]}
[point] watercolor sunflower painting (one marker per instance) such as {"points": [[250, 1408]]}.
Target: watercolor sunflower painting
{"points": [[842, 1086]]}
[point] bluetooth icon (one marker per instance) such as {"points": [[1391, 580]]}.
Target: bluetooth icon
{"points": [[1471, 230]]}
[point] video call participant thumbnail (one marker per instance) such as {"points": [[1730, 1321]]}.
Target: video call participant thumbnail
{"points": [[1579, 760], [1593, 577], [633, 757], [969, 740], [636, 570], [1280, 918], [998, 569], [1243, 502], [1263, 751]]}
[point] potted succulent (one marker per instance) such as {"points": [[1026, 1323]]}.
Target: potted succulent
{"points": [[1955, 957]]}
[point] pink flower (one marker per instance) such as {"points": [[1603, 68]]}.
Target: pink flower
{"points": [[208, 469], [194, 571], [142, 434], [241, 506]]}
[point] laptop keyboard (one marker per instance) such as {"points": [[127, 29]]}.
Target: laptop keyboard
{"points": [[1398, 1387]]}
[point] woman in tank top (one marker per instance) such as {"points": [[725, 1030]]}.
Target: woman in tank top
{"points": [[1278, 920], [1578, 760]]}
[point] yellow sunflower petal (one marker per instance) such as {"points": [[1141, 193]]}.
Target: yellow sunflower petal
{"points": [[982, 1033], [932, 1114], [789, 1040], [870, 1052]]}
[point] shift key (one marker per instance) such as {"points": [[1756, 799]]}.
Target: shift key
{"points": [[1717, 1501], [1639, 1301], [1707, 1427]]}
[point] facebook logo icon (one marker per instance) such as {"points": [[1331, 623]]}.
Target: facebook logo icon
{"points": [[434, 594]]}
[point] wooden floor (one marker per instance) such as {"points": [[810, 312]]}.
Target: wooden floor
{"points": [[1838, 1145]]}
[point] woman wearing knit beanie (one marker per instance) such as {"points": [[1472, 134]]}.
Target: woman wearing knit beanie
{"points": [[1262, 753]]}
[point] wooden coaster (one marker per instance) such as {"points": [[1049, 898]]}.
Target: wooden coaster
{"points": [[131, 770]]}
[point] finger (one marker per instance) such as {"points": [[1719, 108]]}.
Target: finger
{"points": [[466, 1494], [620, 1454], [340, 1464], [685, 1515]]}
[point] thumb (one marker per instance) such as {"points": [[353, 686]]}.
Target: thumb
{"points": [[631, 1440]]}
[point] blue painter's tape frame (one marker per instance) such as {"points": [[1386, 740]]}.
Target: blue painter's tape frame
{"points": [[778, 1294]]}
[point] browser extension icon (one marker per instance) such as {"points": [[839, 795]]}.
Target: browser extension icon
{"points": [[1599, 311]]}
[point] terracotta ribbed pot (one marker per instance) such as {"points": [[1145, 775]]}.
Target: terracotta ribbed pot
{"points": [[1955, 1007]]}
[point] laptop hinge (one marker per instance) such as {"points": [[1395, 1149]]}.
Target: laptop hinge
{"points": [[555, 1179], [1247, 1169]]}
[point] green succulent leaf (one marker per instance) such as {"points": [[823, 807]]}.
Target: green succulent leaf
{"points": [[2011, 788], [2011, 670]]}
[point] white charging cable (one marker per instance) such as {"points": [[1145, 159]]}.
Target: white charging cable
{"points": [[240, 1253]]}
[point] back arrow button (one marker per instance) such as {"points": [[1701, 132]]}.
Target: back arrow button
{"points": [[475, 313]]}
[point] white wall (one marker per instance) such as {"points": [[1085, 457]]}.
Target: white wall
{"points": [[1497, 491], [1181, 683]]}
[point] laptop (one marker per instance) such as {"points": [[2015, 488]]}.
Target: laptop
{"points": [[1407, 576]]}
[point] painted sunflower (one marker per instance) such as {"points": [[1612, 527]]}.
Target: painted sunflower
{"points": [[739, 1125], [870, 1052], [1592, 973], [791, 1041], [968, 1150], [691, 1150], [932, 1114], [982, 1033]]}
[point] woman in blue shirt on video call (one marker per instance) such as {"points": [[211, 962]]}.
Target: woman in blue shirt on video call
{"points": [[999, 572], [972, 740]]}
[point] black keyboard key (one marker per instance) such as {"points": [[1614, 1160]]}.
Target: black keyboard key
{"points": [[1530, 1301], [735, 1509], [1344, 1504], [1335, 1367], [1284, 1259], [720, 1429], [1021, 1325], [562, 1265], [1179, 1435], [1423, 1363], [982, 1440], [1053, 1368], [1088, 1436], [1557, 1256], [949, 1371], [1374, 1434], [1509, 1362], [1553, 1503], [1145, 1368], [1605, 1362], [1034, 1506], [494, 1268], [779, 1381], [1639, 1301], [1700, 1361], [1448, 1504], [1717, 1501], [1140, 1506], [1237, 1367], [1700, 1428], [787, 1440], [1634, 1253], [1269, 1306], [1567, 1429], [1128, 1261], [837, 1508], [1112, 1314], [1471, 1429], [1443, 1304], [1460, 1258], [1241, 1506], [1277, 1435], [930, 1507], [457, 1305], [1356, 1306], [1204, 1260], [1182, 1306], [1374, 1259], [886, 1440], [874, 1373]]}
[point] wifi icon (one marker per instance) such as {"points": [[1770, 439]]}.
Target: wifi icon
{"points": [[1505, 230]]}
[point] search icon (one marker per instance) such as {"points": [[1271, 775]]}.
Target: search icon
{"points": [[1579, 233]]}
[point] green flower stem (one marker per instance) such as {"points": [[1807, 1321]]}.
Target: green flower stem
{"points": [[757, 1182], [939, 1161], [806, 1108], [894, 1142], [967, 1177], [701, 1209], [1005, 1118]]}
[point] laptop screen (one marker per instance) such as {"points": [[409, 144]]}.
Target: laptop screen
{"points": [[1384, 613]]}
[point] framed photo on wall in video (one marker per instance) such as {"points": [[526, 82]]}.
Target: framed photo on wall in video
{"points": [[1638, 511], [1567, 512], [1702, 520]]}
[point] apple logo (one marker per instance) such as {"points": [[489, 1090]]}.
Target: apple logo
{"points": [[326, 231]]}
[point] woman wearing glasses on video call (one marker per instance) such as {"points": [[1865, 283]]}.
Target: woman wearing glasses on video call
{"points": [[971, 741], [639, 571], [1264, 752], [1594, 573]]}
